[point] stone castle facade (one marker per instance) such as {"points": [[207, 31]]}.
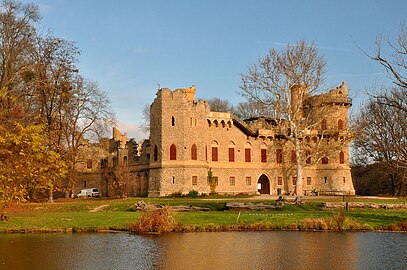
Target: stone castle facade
{"points": [[187, 140]]}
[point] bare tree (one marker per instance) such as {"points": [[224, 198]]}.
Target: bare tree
{"points": [[251, 108], [87, 116], [381, 137], [283, 81], [122, 178], [145, 119], [220, 105]]}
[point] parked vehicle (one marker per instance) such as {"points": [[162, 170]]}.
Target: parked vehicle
{"points": [[88, 192]]}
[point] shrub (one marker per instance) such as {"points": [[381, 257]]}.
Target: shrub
{"points": [[339, 219], [155, 221], [313, 224], [193, 194]]}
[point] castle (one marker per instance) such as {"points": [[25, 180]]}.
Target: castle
{"points": [[187, 140]]}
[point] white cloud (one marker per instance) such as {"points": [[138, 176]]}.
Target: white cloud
{"points": [[133, 130]]}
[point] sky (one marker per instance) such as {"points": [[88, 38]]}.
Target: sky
{"points": [[130, 48]]}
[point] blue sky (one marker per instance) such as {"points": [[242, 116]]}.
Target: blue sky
{"points": [[129, 47]]}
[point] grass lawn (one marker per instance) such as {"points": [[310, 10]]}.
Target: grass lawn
{"points": [[119, 214]]}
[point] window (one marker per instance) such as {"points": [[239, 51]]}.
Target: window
{"points": [[232, 180], [194, 180], [248, 181], [155, 153], [194, 155], [344, 180], [247, 155], [325, 179], [263, 155], [340, 124], [323, 124], [293, 157], [231, 154], [84, 184], [172, 121], [173, 152], [215, 178], [214, 154], [279, 180], [324, 160], [125, 161], [341, 158], [308, 154], [173, 179], [89, 164], [279, 156], [206, 153], [294, 180], [308, 181]]}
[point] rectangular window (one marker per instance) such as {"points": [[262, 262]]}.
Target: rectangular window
{"points": [[279, 156], [308, 160], [215, 178], [308, 181], [247, 155], [232, 180], [280, 181], [248, 181], [194, 180], [214, 154], [294, 180], [293, 157], [344, 179], [89, 164], [84, 184], [231, 154], [325, 179], [263, 155]]}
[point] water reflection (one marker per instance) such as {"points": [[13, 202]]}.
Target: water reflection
{"points": [[229, 250]]}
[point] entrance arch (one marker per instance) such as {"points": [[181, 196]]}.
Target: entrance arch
{"points": [[263, 185]]}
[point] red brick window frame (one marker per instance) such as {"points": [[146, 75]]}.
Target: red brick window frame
{"points": [[341, 158], [231, 154], [89, 164], [194, 155], [340, 124], [279, 155], [247, 155], [215, 154], [173, 152], [263, 155]]}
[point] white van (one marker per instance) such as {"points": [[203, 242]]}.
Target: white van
{"points": [[89, 192]]}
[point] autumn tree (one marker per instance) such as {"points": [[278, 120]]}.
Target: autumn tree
{"points": [[283, 81]]}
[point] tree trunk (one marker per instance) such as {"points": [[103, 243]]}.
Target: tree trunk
{"points": [[298, 187]]}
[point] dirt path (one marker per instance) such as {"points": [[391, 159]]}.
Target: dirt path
{"points": [[99, 208]]}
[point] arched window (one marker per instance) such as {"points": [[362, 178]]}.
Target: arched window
{"points": [[172, 121], [279, 156], [155, 153], [231, 148], [323, 124], [194, 155], [340, 124], [248, 152], [173, 152], [125, 161], [214, 146], [341, 158], [324, 160]]}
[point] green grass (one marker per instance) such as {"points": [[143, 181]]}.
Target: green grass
{"points": [[74, 215]]}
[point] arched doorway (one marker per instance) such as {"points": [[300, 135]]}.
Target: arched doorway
{"points": [[263, 185]]}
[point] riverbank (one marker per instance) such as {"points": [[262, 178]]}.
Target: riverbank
{"points": [[107, 215]]}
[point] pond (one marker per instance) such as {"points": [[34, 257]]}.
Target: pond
{"points": [[220, 250]]}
